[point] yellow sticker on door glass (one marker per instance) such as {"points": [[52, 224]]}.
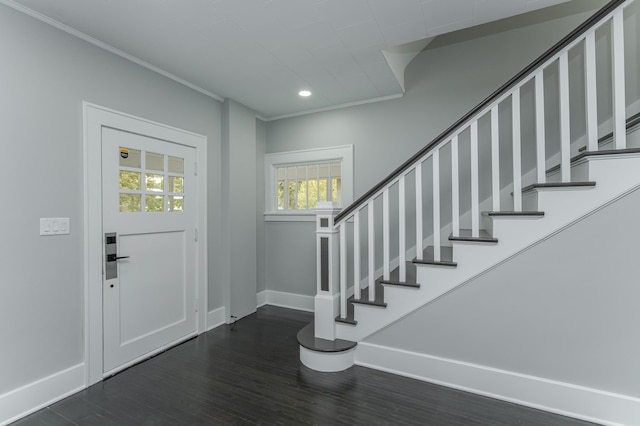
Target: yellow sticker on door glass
{"points": [[124, 153]]}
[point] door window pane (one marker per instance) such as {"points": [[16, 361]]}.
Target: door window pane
{"points": [[176, 165], [154, 161], [154, 203], [176, 184], [129, 157], [130, 203], [154, 183], [176, 203], [130, 180]]}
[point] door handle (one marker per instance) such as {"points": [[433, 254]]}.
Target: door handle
{"points": [[113, 257]]}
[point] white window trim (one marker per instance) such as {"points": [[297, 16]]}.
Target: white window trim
{"points": [[343, 154]]}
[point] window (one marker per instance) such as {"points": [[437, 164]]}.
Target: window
{"points": [[296, 181], [147, 187]]}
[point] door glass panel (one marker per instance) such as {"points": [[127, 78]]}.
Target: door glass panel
{"points": [[129, 157], [154, 161], [129, 180], [176, 184], [176, 203], [130, 203], [154, 183], [176, 165], [153, 203]]}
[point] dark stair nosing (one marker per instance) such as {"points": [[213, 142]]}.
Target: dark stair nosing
{"points": [[558, 185], [346, 320], [306, 338], [466, 236], [400, 283], [513, 214], [435, 263], [367, 302]]}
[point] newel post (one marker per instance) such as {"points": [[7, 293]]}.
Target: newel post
{"points": [[328, 271]]}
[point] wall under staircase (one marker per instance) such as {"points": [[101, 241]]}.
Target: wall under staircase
{"points": [[554, 326]]}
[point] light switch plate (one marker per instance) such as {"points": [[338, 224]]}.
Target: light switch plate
{"points": [[54, 225]]}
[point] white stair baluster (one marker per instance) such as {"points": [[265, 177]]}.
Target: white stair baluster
{"points": [[517, 162], [541, 162], [455, 189], [436, 205], [356, 254], [495, 159], [475, 202], [372, 253], [619, 98], [343, 270], [419, 236], [591, 91], [565, 125], [385, 235], [402, 229]]}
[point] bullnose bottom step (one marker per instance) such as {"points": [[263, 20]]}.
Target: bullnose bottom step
{"points": [[306, 338]]}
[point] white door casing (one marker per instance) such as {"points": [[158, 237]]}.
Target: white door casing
{"points": [[180, 318]]}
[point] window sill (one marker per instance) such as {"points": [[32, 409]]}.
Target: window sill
{"points": [[309, 216]]}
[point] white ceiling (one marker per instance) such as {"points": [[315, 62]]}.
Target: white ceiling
{"points": [[262, 52]]}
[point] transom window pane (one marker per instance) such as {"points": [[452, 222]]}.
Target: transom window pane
{"points": [[130, 158], [130, 203], [154, 182], [303, 186], [176, 203], [176, 184], [176, 165], [154, 203], [130, 180], [154, 161]]}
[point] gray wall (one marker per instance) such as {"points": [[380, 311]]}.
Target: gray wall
{"points": [[44, 77], [443, 82], [261, 146], [240, 202], [566, 309]]}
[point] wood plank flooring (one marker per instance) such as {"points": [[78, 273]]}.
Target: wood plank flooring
{"points": [[251, 374]]}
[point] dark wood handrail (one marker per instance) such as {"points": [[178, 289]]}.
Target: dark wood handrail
{"points": [[533, 66]]}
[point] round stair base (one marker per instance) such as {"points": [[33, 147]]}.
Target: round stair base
{"points": [[327, 362]]}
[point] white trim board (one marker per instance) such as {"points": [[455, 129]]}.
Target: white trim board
{"points": [[549, 395], [285, 300], [94, 118], [34, 396], [216, 318]]}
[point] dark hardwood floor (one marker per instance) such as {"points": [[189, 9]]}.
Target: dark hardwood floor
{"points": [[251, 374]]}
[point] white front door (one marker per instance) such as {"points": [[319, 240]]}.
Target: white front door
{"points": [[149, 211]]}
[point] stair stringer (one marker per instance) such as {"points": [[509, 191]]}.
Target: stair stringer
{"points": [[614, 175]]}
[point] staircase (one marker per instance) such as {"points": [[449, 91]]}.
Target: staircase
{"points": [[509, 174]]}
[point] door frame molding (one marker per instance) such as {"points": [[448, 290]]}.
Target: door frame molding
{"points": [[95, 117]]}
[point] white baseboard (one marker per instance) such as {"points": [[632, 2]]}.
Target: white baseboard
{"points": [[215, 318], [261, 298], [34, 396], [580, 402], [285, 300]]}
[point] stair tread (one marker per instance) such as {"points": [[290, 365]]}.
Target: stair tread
{"points": [[558, 185], [467, 235], [394, 276], [513, 214], [428, 257], [401, 283], [306, 338]]}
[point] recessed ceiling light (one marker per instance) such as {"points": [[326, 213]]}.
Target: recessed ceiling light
{"points": [[304, 93]]}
